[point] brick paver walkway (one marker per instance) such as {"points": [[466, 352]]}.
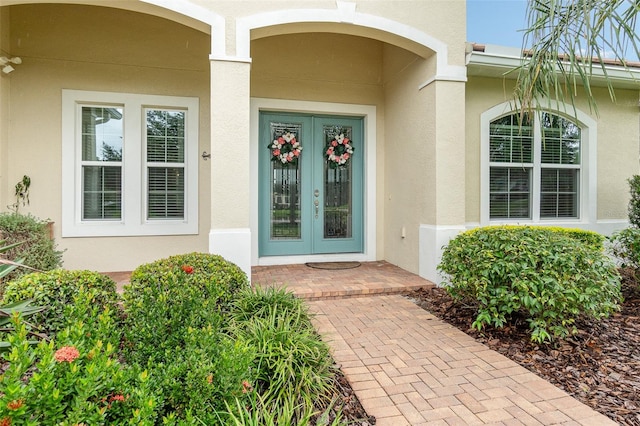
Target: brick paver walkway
{"points": [[409, 368]]}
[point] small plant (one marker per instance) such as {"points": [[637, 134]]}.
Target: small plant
{"points": [[58, 289], [21, 192], [30, 241], [540, 274], [291, 363]]}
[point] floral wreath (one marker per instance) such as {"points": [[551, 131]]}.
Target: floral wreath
{"points": [[338, 151], [285, 149]]}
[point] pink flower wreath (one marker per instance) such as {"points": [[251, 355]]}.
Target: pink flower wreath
{"points": [[339, 151], [286, 149]]}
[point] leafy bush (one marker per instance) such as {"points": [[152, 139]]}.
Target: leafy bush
{"points": [[592, 239], [174, 324], [167, 298], [57, 290], [541, 274], [291, 363], [199, 378], [72, 380], [625, 245], [634, 201], [36, 250]]}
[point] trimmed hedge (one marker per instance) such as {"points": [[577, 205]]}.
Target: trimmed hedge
{"points": [[174, 324], [58, 290], [544, 274]]}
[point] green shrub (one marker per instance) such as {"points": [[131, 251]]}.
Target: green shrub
{"points": [[291, 362], [634, 201], [167, 298], [72, 380], [625, 245], [543, 275], [57, 290], [36, 250], [211, 370], [592, 239], [175, 311]]}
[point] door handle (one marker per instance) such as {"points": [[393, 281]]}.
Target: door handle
{"points": [[317, 204]]}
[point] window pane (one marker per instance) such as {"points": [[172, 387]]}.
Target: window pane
{"points": [[560, 140], [165, 136], [285, 187], [102, 134], [511, 141], [165, 193], [559, 193], [510, 193], [102, 192]]}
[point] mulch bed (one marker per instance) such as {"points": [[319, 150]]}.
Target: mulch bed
{"points": [[599, 366], [348, 403]]}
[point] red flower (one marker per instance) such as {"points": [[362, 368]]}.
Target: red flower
{"points": [[187, 269], [330, 151], [5, 422], [276, 152], [345, 155], [281, 140], [117, 397], [296, 152], [246, 386], [15, 404], [293, 140], [334, 143], [345, 141], [66, 354]]}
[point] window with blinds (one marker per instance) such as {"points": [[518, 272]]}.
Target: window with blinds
{"points": [[534, 167], [102, 142], [165, 164], [129, 164]]}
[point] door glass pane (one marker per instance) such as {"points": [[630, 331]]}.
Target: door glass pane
{"points": [[338, 171], [285, 181]]}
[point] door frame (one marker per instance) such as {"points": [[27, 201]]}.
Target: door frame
{"points": [[368, 113]]}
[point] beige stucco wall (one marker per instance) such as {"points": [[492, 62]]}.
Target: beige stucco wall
{"points": [[104, 49], [98, 49], [618, 141]]}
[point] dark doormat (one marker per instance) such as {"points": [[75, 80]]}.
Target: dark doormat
{"points": [[333, 265]]}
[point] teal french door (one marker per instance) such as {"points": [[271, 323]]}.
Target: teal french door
{"points": [[310, 184]]}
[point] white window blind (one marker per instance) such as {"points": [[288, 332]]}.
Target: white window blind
{"points": [[534, 167]]}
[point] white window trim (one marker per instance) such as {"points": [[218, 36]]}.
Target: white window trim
{"points": [[133, 221], [587, 186]]}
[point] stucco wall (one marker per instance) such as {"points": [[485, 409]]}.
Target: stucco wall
{"points": [[98, 49], [5, 81], [618, 141], [409, 162]]}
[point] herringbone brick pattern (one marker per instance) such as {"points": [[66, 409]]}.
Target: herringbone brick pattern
{"points": [[409, 368]]}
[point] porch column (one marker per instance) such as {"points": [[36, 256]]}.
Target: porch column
{"points": [[450, 175], [230, 235]]}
